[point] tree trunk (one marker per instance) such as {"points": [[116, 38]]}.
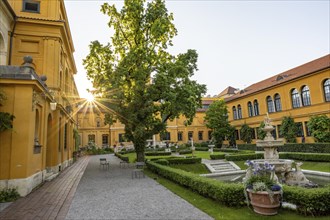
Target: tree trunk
{"points": [[139, 149]]}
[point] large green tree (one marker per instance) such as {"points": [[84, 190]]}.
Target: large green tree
{"points": [[145, 84], [216, 118], [320, 128]]}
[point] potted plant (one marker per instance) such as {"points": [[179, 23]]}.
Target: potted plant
{"points": [[262, 188]]}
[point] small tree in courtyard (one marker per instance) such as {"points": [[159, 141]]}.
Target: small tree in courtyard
{"points": [[246, 133], [288, 129], [320, 128], [216, 118], [146, 85], [261, 133]]}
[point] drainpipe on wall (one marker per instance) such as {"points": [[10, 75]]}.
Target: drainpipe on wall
{"points": [[11, 41]]}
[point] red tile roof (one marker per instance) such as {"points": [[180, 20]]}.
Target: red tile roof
{"points": [[305, 69], [229, 90]]}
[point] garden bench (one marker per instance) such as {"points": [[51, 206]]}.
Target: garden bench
{"points": [[104, 163], [138, 171]]}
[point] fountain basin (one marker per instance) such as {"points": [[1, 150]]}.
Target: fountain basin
{"points": [[281, 165]]}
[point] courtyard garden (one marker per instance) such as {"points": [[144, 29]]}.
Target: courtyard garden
{"points": [[179, 172]]}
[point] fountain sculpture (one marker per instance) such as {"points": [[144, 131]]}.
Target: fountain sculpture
{"points": [[283, 167]]}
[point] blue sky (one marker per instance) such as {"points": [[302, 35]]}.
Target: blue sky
{"points": [[238, 42]]}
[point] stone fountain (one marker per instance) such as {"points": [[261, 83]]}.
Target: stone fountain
{"points": [[283, 167]]}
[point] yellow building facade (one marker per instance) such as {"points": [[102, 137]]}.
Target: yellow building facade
{"points": [[40, 92], [300, 93], [92, 128]]}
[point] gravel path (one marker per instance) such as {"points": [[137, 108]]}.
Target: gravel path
{"points": [[113, 194]]}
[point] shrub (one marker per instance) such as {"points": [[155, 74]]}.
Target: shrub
{"points": [[185, 152], [9, 195], [162, 162], [293, 147], [306, 156], [217, 156], [157, 153], [314, 201], [201, 148], [180, 160], [229, 194], [238, 157]]}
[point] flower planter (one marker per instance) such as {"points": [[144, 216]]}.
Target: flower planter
{"points": [[262, 203]]}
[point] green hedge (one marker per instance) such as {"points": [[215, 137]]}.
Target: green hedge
{"points": [[306, 156], [157, 153], [293, 147], [201, 148], [185, 152], [313, 202], [309, 201], [124, 158], [217, 156], [237, 157], [185, 160], [229, 194], [163, 162]]}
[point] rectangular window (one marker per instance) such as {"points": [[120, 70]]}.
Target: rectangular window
{"points": [[300, 131], [253, 133], [91, 138], [166, 136], [105, 139], [236, 135], [180, 136], [65, 135], [308, 131], [200, 135], [121, 137], [190, 135], [31, 6]]}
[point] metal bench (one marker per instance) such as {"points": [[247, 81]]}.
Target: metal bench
{"points": [[138, 171], [123, 164], [104, 163]]}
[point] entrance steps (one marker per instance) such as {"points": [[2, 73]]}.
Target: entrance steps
{"points": [[220, 166]]}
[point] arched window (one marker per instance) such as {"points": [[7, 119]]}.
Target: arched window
{"points": [[326, 89], [239, 112], [277, 101], [295, 98], [256, 107], [305, 96], [234, 113], [270, 104], [250, 109]]}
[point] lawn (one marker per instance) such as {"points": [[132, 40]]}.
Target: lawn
{"points": [[193, 168]]}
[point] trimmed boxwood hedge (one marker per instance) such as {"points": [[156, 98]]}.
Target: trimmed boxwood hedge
{"points": [[229, 194], [306, 156], [313, 202], [309, 201], [201, 148], [185, 152], [293, 147], [157, 153], [217, 156], [237, 157]]}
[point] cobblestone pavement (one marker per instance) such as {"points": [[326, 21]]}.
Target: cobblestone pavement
{"points": [[87, 191], [51, 200]]}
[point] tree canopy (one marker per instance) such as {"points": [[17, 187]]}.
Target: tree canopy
{"points": [[320, 128], [137, 76], [216, 118]]}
